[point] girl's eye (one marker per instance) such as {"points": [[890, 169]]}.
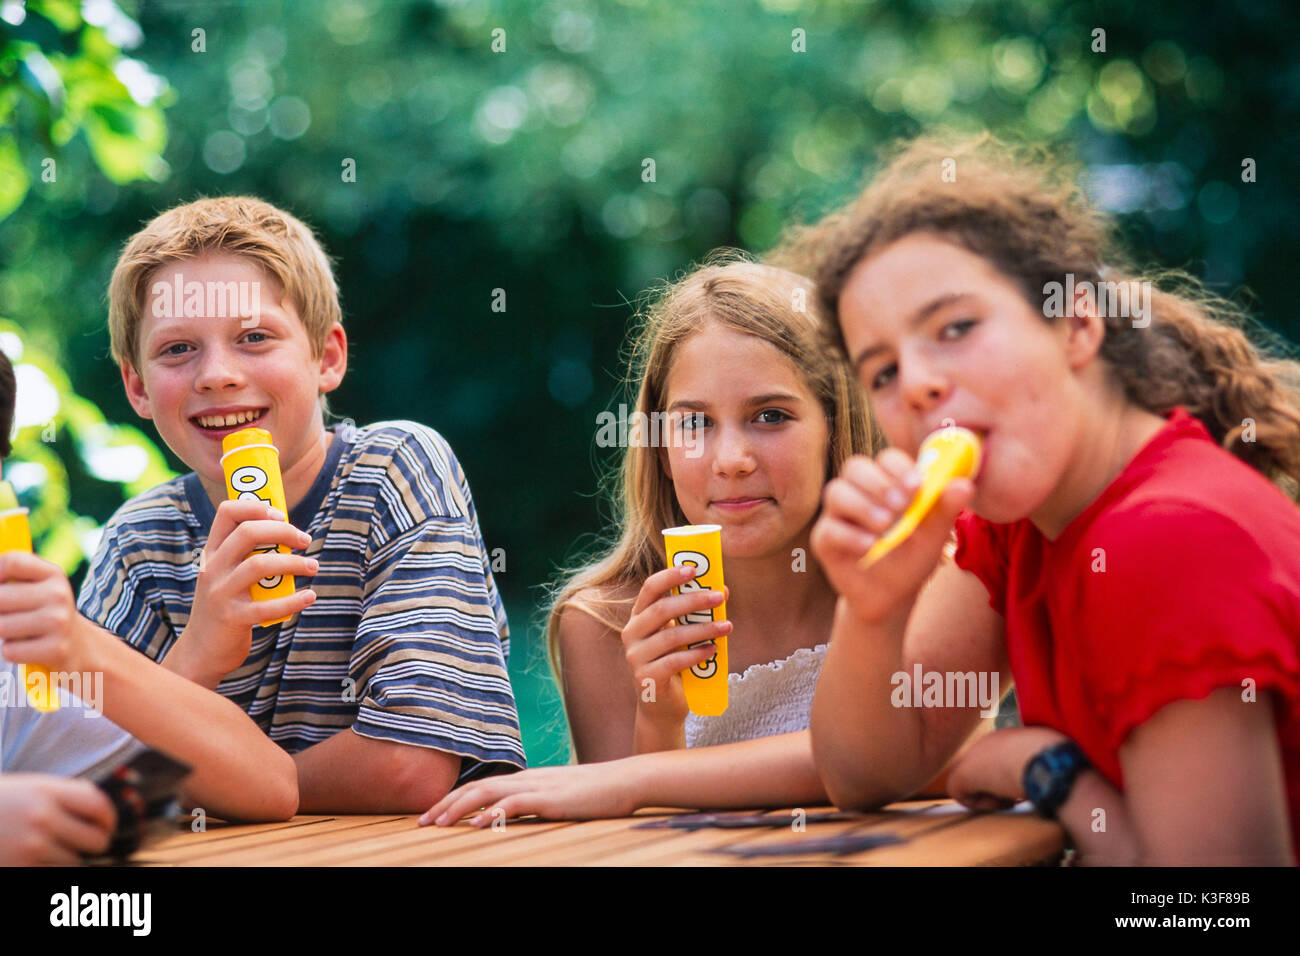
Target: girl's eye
{"points": [[883, 377], [955, 330], [693, 421], [262, 337], [774, 416]]}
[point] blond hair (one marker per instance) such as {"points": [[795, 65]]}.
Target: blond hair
{"points": [[1022, 209], [772, 304], [238, 225]]}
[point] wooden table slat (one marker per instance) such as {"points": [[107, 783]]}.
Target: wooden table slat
{"points": [[995, 839], [936, 833], [286, 851], [416, 841], [643, 844], [251, 840], [596, 849], [531, 839], [705, 854], [215, 830]]}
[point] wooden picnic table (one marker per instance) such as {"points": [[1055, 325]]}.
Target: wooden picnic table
{"points": [[925, 833]]}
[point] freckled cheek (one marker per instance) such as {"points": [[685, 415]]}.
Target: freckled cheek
{"points": [[798, 475], [985, 372], [165, 391], [1029, 365], [690, 471], [889, 418]]}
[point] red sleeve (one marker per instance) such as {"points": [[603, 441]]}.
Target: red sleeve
{"points": [[1188, 603], [982, 550]]}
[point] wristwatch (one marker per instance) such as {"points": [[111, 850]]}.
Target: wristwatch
{"points": [[1050, 775]]}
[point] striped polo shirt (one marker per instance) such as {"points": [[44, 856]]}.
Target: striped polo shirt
{"points": [[407, 640]]}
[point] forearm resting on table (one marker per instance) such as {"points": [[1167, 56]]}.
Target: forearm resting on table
{"points": [[350, 773], [868, 751], [239, 772], [1204, 785], [768, 772], [938, 785]]}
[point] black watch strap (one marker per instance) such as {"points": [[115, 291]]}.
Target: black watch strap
{"points": [[1050, 775]]}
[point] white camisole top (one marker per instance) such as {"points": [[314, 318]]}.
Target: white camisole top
{"points": [[766, 700]]}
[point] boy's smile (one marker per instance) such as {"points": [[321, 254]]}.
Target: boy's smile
{"points": [[202, 377], [219, 422]]}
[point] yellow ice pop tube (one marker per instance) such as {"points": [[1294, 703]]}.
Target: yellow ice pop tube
{"points": [[251, 464], [700, 545], [16, 535], [951, 452]]}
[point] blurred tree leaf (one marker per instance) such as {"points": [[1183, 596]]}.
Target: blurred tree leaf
{"points": [[125, 139], [59, 76], [59, 435], [13, 177]]}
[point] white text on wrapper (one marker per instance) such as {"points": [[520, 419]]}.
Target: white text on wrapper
{"points": [[701, 564], [247, 482]]}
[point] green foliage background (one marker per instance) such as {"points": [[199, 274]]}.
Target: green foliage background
{"points": [[522, 170]]}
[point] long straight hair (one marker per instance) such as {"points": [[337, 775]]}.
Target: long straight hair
{"points": [[772, 304]]}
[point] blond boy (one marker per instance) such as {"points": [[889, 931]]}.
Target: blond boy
{"points": [[387, 684]]}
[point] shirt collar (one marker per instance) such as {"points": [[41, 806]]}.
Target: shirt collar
{"points": [[302, 515]]}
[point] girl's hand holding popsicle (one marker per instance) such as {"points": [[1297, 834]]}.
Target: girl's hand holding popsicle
{"points": [[859, 507], [944, 456], [653, 641], [217, 638]]}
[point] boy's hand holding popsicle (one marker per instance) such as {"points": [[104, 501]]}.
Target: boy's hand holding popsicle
{"points": [[217, 638], [246, 575], [884, 522]]}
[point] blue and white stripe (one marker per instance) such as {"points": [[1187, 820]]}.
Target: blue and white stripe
{"points": [[407, 612]]}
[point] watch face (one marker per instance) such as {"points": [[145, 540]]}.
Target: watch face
{"points": [[1039, 779]]}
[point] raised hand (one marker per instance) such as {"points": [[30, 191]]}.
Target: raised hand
{"points": [[857, 508], [653, 640], [220, 630]]}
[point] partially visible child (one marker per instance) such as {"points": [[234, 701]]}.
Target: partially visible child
{"points": [[44, 819], [46, 816], [1124, 550], [742, 420]]}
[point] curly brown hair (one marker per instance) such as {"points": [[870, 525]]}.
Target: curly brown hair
{"points": [[1022, 208]]}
